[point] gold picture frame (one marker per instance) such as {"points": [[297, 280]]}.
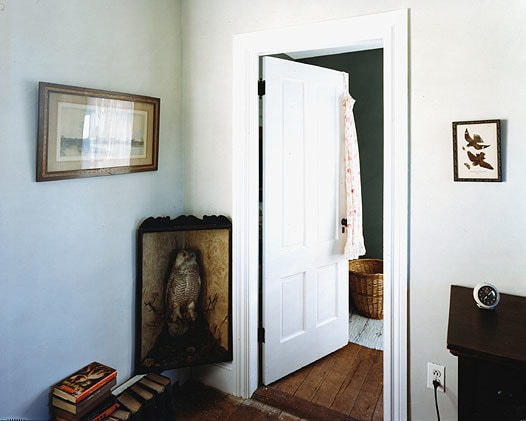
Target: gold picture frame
{"points": [[477, 150], [86, 132]]}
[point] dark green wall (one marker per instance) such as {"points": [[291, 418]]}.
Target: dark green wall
{"points": [[365, 69]]}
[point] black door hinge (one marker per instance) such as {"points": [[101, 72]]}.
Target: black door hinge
{"points": [[261, 335], [261, 87]]}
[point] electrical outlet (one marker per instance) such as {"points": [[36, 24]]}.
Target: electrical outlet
{"points": [[436, 372]]}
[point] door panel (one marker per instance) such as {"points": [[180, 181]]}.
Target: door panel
{"points": [[305, 277], [327, 294], [293, 321]]}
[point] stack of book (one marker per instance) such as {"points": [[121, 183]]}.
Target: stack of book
{"points": [[145, 397], [91, 394], [85, 395]]}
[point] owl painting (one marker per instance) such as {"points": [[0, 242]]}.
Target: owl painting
{"points": [[182, 292]]}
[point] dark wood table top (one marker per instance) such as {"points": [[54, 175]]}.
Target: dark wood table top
{"points": [[497, 335]]}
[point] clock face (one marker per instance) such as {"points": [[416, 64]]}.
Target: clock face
{"points": [[486, 296]]}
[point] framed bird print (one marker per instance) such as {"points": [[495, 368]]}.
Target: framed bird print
{"points": [[183, 295], [476, 150]]}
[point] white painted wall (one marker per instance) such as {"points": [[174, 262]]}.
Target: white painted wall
{"points": [[67, 260], [68, 247], [466, 62]]}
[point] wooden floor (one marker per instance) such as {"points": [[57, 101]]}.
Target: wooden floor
{"points": [[196, 402], [346, 385]]}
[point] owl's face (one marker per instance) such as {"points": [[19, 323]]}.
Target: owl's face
{"points": [[185, 257]]}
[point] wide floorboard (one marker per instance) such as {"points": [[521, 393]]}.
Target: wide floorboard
{"points": [[345, 385], [196, 402]]}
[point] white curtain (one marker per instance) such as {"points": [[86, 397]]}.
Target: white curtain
{"points": [[354, 247]]}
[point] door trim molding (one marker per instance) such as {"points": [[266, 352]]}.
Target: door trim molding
{"points": [[390, 31]]}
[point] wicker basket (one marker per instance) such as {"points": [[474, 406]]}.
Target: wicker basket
{"points": [[366, 285]]}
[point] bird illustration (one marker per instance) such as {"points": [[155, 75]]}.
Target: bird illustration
{"points": [[182, 292], [479, 160], [475, 141]]}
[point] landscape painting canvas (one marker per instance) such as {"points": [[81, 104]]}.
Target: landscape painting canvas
{"points": [[85, 134]]}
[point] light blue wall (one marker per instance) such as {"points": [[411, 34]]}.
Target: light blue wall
{"points": [[67, 259]]}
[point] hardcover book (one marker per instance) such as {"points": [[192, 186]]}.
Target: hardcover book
{"points": [[121, 414], [158, 388], [129, 402], [127, 384], [101, 411], [144, 394], [158, 378], [146, 397], [86, 404], [82, 383]]}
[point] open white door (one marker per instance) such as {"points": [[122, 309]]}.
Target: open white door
{"points": [[305, 275]]}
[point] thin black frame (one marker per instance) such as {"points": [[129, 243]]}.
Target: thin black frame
{"points": [[477, 150]]}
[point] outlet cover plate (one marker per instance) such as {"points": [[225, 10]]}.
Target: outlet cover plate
{"points": [[436, 371]]}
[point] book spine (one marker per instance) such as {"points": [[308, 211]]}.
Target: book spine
{"points": [[103, 414], [65, 405], [109, 404], [88, 403]]}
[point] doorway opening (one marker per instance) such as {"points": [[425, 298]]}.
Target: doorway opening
{"points": [[385, 30], [357, 388]]}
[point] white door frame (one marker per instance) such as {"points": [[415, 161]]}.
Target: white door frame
{"points": [[385, 30]]}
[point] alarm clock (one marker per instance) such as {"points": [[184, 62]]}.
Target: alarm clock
{"points": [[486, 296]]}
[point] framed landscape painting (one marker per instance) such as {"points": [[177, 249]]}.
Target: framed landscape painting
{"points": [[86, 132], [477, 150]]}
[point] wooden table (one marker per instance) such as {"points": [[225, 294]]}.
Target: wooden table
{"points": [[491, 350]]}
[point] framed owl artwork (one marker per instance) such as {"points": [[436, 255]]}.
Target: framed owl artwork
{"points": [[183, 292]]}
